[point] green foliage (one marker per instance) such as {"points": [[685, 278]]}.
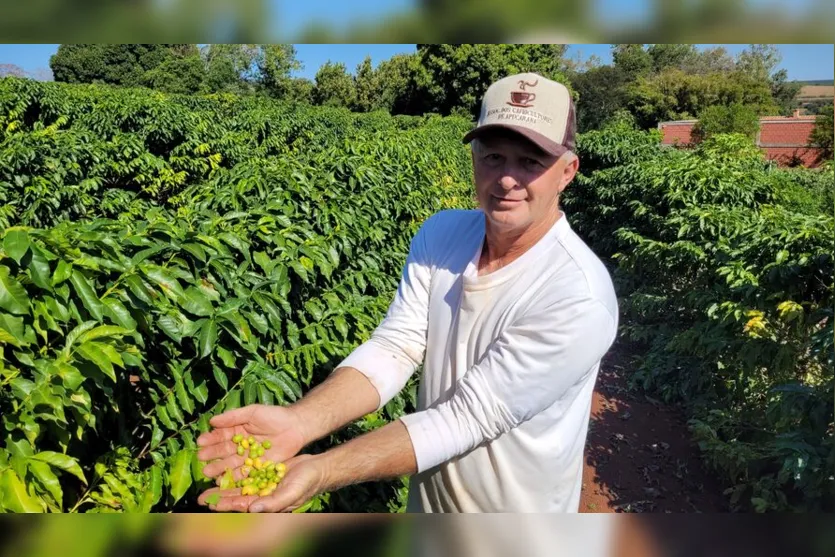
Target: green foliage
{"points": [[726, 119], [453, 78], [115, 64], [165, 258], [674, 94], [334, 87], [725, 278], [823, 134]]}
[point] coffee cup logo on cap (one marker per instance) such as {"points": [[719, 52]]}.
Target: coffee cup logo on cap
{"points": [[538, 108]]}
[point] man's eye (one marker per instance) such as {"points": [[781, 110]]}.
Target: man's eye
{"points": [[492, 157]]}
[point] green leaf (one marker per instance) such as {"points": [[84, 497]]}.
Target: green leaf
{"points": [[73, 336], [233, 400], [84, 288], [171, 327], [163, 278], [220, 377], [201, 392], [259, 322], [208, 336], [180, 474], [39, 269], [62, 273], [70, 376], [264, 261], [226, 357], [341, 326], [13, 296], [197, 468], [250, 391], [13, 326], [117, 311], [213, 499], [92, 351], [42, 472], [16, 243], [156, 483], [62, 461], [163, 416], [138, 288], [14, 495], [102, 331], [196, 302], [174, 410], [782, 255], [185, 401]]}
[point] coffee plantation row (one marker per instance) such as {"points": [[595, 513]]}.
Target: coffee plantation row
{"points": [[165, 258]]}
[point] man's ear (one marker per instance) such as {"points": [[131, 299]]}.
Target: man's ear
{"points": [[572, 165]]}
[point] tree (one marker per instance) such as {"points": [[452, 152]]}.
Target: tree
{"points": [[300, 89], [822, 134], [453, 78], [735, 118], [334, 86], [184, 75], [368, 87], [402, 78], [760, 62], [601, 93], [275, 63], [115, 64], [670, 55], [674, 94], [632, 59]]}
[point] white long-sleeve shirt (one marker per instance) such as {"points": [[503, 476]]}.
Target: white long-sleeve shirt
{"points": [[510, 361]]}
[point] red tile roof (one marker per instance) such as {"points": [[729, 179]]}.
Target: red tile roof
{"points": [[782, 138]]}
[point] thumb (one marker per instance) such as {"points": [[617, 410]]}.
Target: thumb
{"points": [[231, 418], [281, 500]]}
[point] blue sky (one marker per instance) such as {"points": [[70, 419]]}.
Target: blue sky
{"points": [[802, 61]]}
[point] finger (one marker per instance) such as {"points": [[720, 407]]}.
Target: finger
{"points": [[217, 451], [220, 435], [218, 467], [232, 418], [234, 503], [202, 499], [281, 500]]}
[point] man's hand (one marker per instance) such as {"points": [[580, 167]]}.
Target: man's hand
{"points": [[279, 425], [305, 479]]}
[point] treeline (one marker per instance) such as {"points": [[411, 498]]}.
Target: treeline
{"points": [[654, 83]]}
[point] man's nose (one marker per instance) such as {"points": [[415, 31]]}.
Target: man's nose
{"points": [[508, 181]]}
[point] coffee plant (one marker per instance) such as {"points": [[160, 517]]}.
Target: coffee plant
{"points": [[724, 268], [165, 259]]}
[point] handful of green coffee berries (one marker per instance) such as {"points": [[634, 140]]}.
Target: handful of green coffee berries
{"points": [[259, 477]]}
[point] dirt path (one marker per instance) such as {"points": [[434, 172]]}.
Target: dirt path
{"points": [[639, 457]]}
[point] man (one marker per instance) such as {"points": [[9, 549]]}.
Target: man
{"points": [[510, 313]]}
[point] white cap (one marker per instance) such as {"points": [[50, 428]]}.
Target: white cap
{"points": [[536, 107]]}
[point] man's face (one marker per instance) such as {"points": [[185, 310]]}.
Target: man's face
{"points": [[516, 183]]}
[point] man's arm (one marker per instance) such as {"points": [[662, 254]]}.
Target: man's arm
{"points": [[382, 454], [345, 396]]}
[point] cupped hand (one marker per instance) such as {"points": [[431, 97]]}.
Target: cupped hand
{"points": [[305, 478], [276, 424]]}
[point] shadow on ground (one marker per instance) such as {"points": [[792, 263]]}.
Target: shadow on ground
{"points": [[639, 457]]}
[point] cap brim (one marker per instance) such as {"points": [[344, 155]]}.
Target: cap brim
{"points": [[548, 145]]}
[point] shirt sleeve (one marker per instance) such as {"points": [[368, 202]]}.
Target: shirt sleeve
{"points": [[398, 344], [533, 365]]}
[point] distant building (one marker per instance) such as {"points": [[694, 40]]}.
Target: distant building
{"points": [[785, 139]]}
